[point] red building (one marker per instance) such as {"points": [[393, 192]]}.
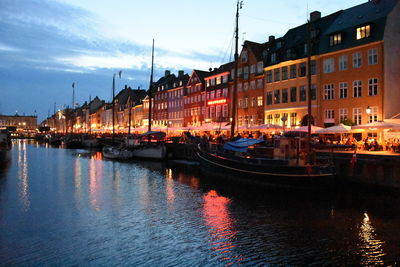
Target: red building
{"points": [[194, 99]]}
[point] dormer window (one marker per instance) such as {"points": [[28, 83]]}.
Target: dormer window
{"points": [[335, 39], [278, 45], [244, 56], [363, 32]]}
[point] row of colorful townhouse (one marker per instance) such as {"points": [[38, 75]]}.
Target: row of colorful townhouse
{"points": [[354, 67]]}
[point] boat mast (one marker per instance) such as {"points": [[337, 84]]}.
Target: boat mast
{"points": [[151, 85], [129, 123], [90, 121], [309, 92], [113, 107], [233, 122]]}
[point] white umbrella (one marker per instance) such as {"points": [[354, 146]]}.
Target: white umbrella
{"points": [[377, 125], [305, 129], [340, 128]]}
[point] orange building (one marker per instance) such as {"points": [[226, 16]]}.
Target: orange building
{"points": [[250, 74], [194, 99]]}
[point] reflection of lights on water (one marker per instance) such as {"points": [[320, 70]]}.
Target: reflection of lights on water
{"points": [[23, 175], [216, 214], [370, 247], [78, 177], [97, 156], [95, 174], [170, 187]]}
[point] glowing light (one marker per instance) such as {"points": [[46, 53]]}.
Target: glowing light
{"points": [[216, 102]]}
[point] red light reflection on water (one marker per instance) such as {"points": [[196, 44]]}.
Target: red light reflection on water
{"points": [[97, 155], [96, 174], [216, 214]]}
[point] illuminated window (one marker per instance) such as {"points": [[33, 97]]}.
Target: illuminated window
{"points": [[363, 32], [373, 116], [329, 91], [293, 118], [269, 119], [335, 39], [357, 115], [342, 114], [259, 101], [218, 80]]}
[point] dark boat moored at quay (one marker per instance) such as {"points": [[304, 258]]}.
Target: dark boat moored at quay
{"points": [[286, 171], [5, 146]]}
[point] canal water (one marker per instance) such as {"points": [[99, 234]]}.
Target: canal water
{"points": [[70, 207]]}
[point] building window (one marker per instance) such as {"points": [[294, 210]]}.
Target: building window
{"points": [[293, 119], [225, 110], [303, 93], [253, 85], [225, 78], [357, 60], [240, 121], [313, 67], [335, 39], [244, 56], [240, 103], [313, 92], [277, 75], [343, 62], [239, 87], [284, 95], [218, 80], [273, 58], [329, 91], [269, 119], [252, 69], [253, 102], [268, 77], [357, 115], [372, 56], [269, 98], [246, 86], [329, 115], [260, 67], [284, 73], [302, 69], [363, 32], [373, 86], [293, 94], [277, 119], [343, 90], [225, 92], [357, 88], [292, 71], [259, 101], [259, 84], [329, 65], [373, 116], [342, 114], [246, 102], [246, 72], [277, 96]]}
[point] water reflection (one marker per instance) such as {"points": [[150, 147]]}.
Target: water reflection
{"points": [[370, 247], [219, 221], [170, 187], [95, 182], [23, 175], [78, 179]]}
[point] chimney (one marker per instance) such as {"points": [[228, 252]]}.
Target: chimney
{"points": [[126, 86], [315, 15], [167, 73], [180, 73], [271, 38]]}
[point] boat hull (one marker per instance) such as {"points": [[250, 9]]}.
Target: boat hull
{"points": [[157, 152], [268, 172], [111, 152]]}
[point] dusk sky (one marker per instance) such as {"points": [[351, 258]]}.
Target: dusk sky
{"points": [[45, 45]]}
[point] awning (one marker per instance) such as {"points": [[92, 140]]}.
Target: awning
{"points": [[241, 145]]}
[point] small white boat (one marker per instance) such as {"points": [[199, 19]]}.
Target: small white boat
{"points": [[150, 151], [121, 153]]}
